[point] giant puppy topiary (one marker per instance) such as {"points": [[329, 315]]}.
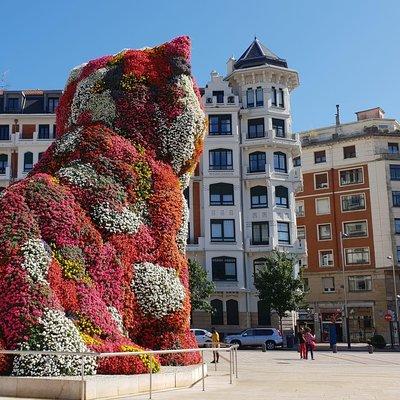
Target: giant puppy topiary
{"points": [[92, 242]]}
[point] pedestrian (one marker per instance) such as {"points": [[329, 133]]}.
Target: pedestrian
{"points": [[310, 343], [302, 343], [215, 344]]}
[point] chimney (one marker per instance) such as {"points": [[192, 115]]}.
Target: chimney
{"points": [[229, 65], [337, 127], [371, 113]]}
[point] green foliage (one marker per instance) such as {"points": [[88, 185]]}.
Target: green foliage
{"points": [[378, 341], [200, 287], [276, 284]]}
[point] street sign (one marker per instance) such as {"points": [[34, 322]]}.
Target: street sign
{"points": [[388, 316]]}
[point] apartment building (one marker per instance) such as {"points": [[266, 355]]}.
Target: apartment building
{"points": [[27, 128], [242, 195], [349, 214]]}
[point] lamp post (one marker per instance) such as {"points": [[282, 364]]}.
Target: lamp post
{"points": [[396, 311], [346, 311]]}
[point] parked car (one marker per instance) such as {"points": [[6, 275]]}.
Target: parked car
{"points": [[256, 337], [202, 336]]}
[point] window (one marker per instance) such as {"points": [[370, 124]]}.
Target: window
{"points": [[219, 94], [351, 176], [258, 195], [360, 283], [52, 104], [278, 126], [323, 206], [398, 253], [301, 232], [257, 161], [300, 208], [306, 284], [222, 230], [3, 163], [326, 258], [274, 96], [4, 132], [319, 157], [258, 264], [321, 180], [250, 97], [12, 104], [280, 164], [396, 198], [349, 152], [283, 233], [232, 312], [355, 228], [395, 172], [281, 98], [221, 159], [358, 255], [393, 148], [396, 225], [296, 161], [328, 284], [324, 232], [221, 194], [28, 161], [264, 314], [353, 202], [259, 97], [260, 233], [224, 269], [282, 196], [217, 317], [255, 128], [220, 124], [44, 132]]}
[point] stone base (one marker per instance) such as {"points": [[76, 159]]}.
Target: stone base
{"points": [[98, 386]]}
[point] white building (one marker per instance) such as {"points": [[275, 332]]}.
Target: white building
{"points": [[242, 195], [27, 128]]}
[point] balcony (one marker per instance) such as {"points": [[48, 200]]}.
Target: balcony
{"points": [[35, 138], [385, 154], [254, 247], [5, 174], [298, 247], [195, 244]]}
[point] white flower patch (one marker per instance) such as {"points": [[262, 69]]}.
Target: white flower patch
{"points": [[125, 221], [79, 174], [75, 72], [184, 180], [178, 139], [101, 105], [158, 290], [68, 142], [55, 332], [36, 259], [182, 235], [117, 319]]}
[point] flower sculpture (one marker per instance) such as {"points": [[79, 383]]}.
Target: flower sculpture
{"points": [[92, 242]]}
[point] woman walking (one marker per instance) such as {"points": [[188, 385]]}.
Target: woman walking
{"points": [[310, 343], [302, 343]]}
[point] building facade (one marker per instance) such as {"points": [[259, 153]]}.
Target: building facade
{"points": [[349, 214], [27, 128], [242, 195]]}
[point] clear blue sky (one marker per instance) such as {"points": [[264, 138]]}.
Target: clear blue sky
{"points": [[346, 51]]}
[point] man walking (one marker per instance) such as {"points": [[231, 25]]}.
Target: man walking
{"points": [[215, 343]]}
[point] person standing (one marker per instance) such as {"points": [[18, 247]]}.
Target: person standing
{"points": [[302, 343], [215, 344], [310, 343]]}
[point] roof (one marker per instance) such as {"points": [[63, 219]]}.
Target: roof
{"points": [[257, 54]]}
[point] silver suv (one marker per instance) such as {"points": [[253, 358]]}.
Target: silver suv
{"points": [[257, 337]]}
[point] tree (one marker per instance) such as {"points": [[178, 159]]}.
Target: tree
{"points": [[277, 285], [200, 287]]}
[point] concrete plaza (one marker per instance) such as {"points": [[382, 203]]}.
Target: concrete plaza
{"points": [[282, 375]]}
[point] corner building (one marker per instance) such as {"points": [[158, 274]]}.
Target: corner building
{"points": [[242, 195], [351, 176]]}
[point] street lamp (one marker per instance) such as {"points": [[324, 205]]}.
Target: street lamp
{"points": [[396, 299], [346, 312]]}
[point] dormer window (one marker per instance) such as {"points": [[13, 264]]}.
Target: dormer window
{"points": [[219, 94]]}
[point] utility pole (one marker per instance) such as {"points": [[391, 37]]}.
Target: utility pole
{"points": [[396, 311], [346, 310]]}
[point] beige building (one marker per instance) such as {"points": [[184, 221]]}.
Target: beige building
{"points": [[349, 214]]}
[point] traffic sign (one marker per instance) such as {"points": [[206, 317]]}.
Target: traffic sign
{"points": [[388, 316]]}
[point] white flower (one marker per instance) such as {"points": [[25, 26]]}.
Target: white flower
{"points": [[55, 332], [82, 175], [117, 319], [89, 96], [68, 142], [75, 72], [125, 221], [36, 259], [181, 237], [158, 290]]}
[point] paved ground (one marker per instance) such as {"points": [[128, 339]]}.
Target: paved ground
{"points": [[280, 375]]}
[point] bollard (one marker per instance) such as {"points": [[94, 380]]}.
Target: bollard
{"points": [[334, 348], [264, 347], [370, 349]]}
